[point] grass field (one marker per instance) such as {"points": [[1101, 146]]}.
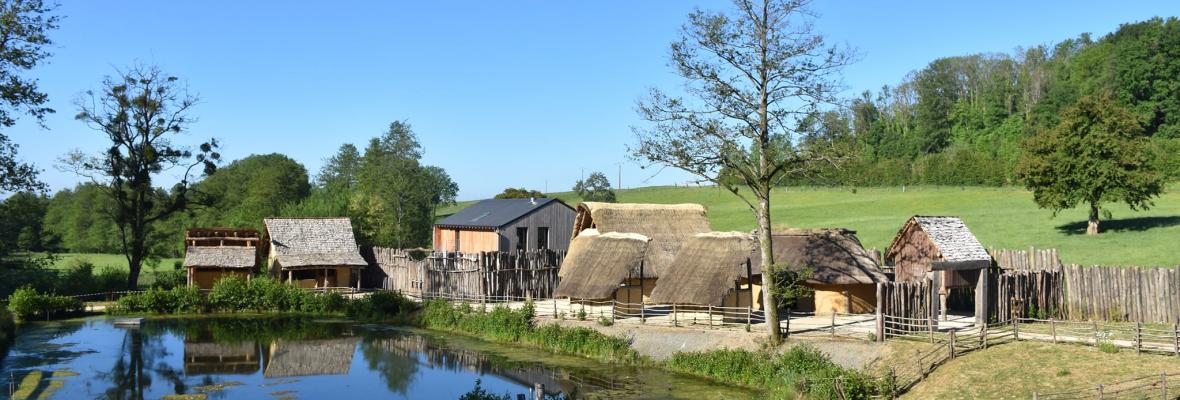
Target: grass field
{"points": [[1016, 370], [117, 261], [1000, 217]]}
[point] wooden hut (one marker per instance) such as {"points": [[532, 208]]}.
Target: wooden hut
{"points": [[506, 225], [668, 226], [213, 253], [598, 264], [712, 269], [212, 358], [310, 357], [314, 252], [945, 251], [841, 272]]}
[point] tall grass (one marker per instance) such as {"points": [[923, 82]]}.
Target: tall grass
{"points": [[801, 369], [501, 324]]}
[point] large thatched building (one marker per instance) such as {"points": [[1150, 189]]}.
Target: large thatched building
{"points": [[668, 226], [941, 249], [597, 264], [214, 253], [314, 252], [842, 273], [712, 269]]}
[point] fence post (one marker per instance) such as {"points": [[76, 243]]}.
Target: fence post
{"points": [[675, 318], [1094, 324], [749, 316], [833, 330], [1099, 390], [1138, 339], [880, 316], [1164, 385], [613, 304], [711, 315], [1176, 339], [951, 344], [1016, 328], [892, 383], [983, 335], [1053, 329], [554, 308], [539, 391]]}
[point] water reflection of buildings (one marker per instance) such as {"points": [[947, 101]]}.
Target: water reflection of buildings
{"points": [[526, 374], [281, 358]]}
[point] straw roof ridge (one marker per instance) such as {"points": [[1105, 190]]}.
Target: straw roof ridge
{"points": [[299, 242], [224, 257], [596, 263], [668, 226], [705, 269]]}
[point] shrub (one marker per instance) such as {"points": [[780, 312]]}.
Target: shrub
{"points": [[379, 305], [604, 321], [178, 300], [27, 302]]}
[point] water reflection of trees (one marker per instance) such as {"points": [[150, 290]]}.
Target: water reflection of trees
{"points": [[139, 364], [396, 358]]}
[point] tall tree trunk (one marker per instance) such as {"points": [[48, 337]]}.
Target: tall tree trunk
{"points": [[769, 302], [1092, 225]]}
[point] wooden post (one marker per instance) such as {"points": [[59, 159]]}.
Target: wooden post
{"points": [[675, 321], [555, 308], [612, 310], [642, 315], [710, 315], [1176, 340], [749, 316], [749, 281], [1015, 328], [1099, 389], [539, 391], [833, 330], [951, 344], [880, 316], [1053, 329], [1138, 339], [1163, 385], [892, 383], [1095, 325]]}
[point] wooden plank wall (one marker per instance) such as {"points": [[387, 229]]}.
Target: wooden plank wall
{"points": [[531, 274], [1030, 294], [1123, 294]]}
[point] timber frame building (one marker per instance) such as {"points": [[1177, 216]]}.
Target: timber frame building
{"points": [[314, 252], [214, 253]]}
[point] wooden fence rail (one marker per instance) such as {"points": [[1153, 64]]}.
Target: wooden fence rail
{"points": [[1157, 386]]}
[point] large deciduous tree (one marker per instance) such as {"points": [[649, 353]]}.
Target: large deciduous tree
{"points": [[752, 75], [24, 26], [1096, 154], [141, 112], [250, 189]]}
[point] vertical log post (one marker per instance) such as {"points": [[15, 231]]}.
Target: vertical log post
{"points": [[539, 391], [1164, 385], [710, 315], [1176, 339], [951, 344], [1138, 338], [880, 316], [1015, 328], [675, 320], [1094, 324], [749, 317], [832, 332], [1053, 329]]}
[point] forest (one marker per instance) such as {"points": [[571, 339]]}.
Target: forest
{"points": [[960, 120]]}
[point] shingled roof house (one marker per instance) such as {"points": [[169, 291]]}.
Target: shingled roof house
{"points": [[314, 252], [213, 253], [506, 225], [943, 250]]}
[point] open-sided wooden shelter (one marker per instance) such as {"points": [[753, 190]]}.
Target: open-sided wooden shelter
{"points": [[842, 273], [944, 250], [668, 226], [712, 269], [314, 252], [213, 253]]}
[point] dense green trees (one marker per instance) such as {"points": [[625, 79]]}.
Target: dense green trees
{"points": [[1096, 154], [24, 28], [244, 192], [521, 193]]}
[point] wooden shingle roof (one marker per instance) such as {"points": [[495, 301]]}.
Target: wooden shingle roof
{"points": [[955, 242], [306, 242], [223, 257]]}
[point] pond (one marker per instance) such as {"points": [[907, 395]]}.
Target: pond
{"points": [[303, 358]]}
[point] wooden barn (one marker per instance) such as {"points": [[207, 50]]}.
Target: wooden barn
{"points": [[597, 265], [945, 251], [842, 273], [213, 253], [309, 357], [712, 269], [314, 252], [506, 225], [668, 226]]}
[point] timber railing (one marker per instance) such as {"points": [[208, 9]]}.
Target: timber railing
{"points": [[1158, 386]]}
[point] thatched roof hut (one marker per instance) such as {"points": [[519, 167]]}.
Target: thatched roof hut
{"points": [[220, 257], [705, 269], [834, 256], [597, 263], [313, 242], [667, 225], [310, 357]]}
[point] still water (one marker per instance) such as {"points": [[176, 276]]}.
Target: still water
{"points": [[302, 358]]}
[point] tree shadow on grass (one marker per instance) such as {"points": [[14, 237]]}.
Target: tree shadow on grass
{"points": [[1137, 224]]}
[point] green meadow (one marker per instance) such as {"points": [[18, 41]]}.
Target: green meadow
{"points": [[1004, 217]]}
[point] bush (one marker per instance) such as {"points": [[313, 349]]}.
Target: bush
{"points": [[27, 302], [180, 300], [379, 306], [233, 294], [803, 369]]}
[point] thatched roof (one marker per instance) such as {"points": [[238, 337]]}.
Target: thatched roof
{"points": [[705, 269], [597, 263], [955, 242], [310, 357], [834, 256], [667, 225], [221, 257], [313, 242]]}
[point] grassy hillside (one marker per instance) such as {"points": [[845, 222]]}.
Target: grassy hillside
{"points": [[1000, 217]]}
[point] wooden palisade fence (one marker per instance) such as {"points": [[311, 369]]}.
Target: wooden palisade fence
{"points": [[1028, 293], [1123, 294], [526, 274]]}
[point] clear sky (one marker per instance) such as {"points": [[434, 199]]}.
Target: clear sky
{"points": [[523, 93]]}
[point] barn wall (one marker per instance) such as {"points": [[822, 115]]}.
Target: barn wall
{"points": [[913, 255], [470, 241], [558, 217]]}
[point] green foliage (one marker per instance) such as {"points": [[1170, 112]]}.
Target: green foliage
{"points": [[520, 193], [27, 302], [76, 219], [595, 188], [479, 393], [380, 305], [1096, 154], [1108, 347], [802, 369], [21, 223], [249, 189], [179, 300], [604, 321], [232, 294], [515, 326], [26, 25]]}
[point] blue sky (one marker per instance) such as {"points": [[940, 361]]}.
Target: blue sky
{"points": [[501, 94]]}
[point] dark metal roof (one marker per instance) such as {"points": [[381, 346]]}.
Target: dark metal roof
{"points": [[494, 213]]}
